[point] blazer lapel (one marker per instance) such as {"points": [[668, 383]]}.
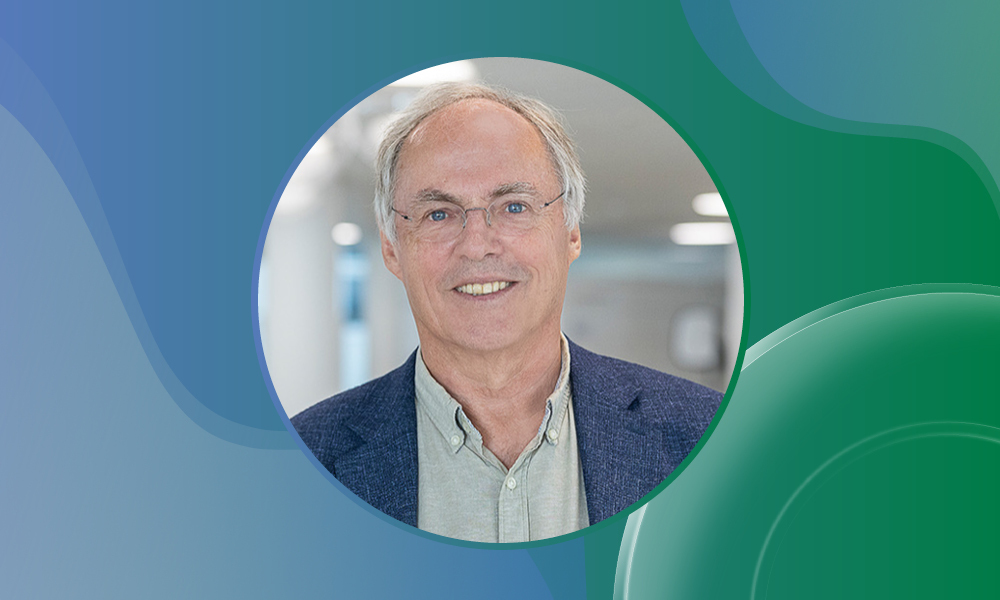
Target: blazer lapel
{"points": [[382, 468], [622, 458]]}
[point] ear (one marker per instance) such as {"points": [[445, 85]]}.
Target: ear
{"points": [[575, 244], [390, 257]]}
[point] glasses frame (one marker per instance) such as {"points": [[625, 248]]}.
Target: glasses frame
{"points": [[485, 209]]}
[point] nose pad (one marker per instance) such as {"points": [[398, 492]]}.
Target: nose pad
{"points": [[477, 241], [486, 212]]}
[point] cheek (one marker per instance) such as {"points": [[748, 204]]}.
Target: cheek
{"points": [[422, 271]]}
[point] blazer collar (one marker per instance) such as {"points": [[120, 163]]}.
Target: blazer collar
{"points": [[622, 458], [382, 469]]}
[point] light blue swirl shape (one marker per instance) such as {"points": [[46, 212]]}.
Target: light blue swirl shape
{"points": [[26, 104], [909, 70], [849, 462]]}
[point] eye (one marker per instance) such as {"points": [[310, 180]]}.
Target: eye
{"points": [[437, 215], [515, 208]]}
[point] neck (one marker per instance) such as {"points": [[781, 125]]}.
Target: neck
{"points": [[503, 392]]}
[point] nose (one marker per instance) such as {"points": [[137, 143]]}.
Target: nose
{"points": [[478, 238]]}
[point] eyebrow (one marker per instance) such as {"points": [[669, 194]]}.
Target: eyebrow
{"points": [[436, 195], [516, 187]]}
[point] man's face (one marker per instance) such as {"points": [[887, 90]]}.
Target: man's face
{"points": [[468, 151]]}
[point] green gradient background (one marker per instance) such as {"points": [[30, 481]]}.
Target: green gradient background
{"points": [[857, 458], [855, 144]]}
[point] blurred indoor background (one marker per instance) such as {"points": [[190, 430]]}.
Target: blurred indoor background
{"points": [[658, 283]]}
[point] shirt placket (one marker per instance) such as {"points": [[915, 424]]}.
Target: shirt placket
{"points": [[512, 506]]}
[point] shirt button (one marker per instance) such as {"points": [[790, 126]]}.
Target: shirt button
{"points": [[553, 435], [456, 440], [511, 483]]}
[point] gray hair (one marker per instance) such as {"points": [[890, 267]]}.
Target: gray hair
{"points": [[432, 99]]}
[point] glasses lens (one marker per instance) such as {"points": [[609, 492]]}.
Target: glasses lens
{"points": [[438, 222], [513, 215]]}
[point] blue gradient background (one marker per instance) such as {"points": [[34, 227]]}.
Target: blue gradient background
{"points": [[142, 148]]}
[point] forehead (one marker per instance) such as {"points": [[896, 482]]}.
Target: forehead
{"points": [[471, 143]]}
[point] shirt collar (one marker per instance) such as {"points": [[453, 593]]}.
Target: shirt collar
{"points": [[450, 421]]}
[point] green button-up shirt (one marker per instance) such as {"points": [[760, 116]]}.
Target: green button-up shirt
{"points": [[465, 492]]}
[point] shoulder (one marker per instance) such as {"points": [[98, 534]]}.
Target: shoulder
{"points": [[339, 424], [331, 413], [635, 425], [657, 396], [324, 427]]}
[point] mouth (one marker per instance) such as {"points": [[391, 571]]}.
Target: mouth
{"points": [[483, 289]]}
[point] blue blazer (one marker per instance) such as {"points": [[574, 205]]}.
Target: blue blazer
{"points": [[634, 426]]}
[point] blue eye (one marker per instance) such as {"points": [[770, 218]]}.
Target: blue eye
{"points": [[516, 208], [437, 215]]}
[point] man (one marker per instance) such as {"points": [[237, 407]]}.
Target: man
{"points": [[498, 429]]}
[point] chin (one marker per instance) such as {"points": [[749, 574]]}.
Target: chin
{"points": [[486, 339]]}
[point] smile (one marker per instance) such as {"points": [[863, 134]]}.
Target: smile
{"points": [[481, 289]]}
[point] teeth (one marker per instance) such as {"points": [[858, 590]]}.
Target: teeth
{"points": [[481, 289]]}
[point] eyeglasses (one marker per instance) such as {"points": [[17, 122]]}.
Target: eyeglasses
{"points": [[442, 221]]}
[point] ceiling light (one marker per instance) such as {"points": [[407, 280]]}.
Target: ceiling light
{"points": [[346, 234], [710, 205], [462, 70], [702, 234]]}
